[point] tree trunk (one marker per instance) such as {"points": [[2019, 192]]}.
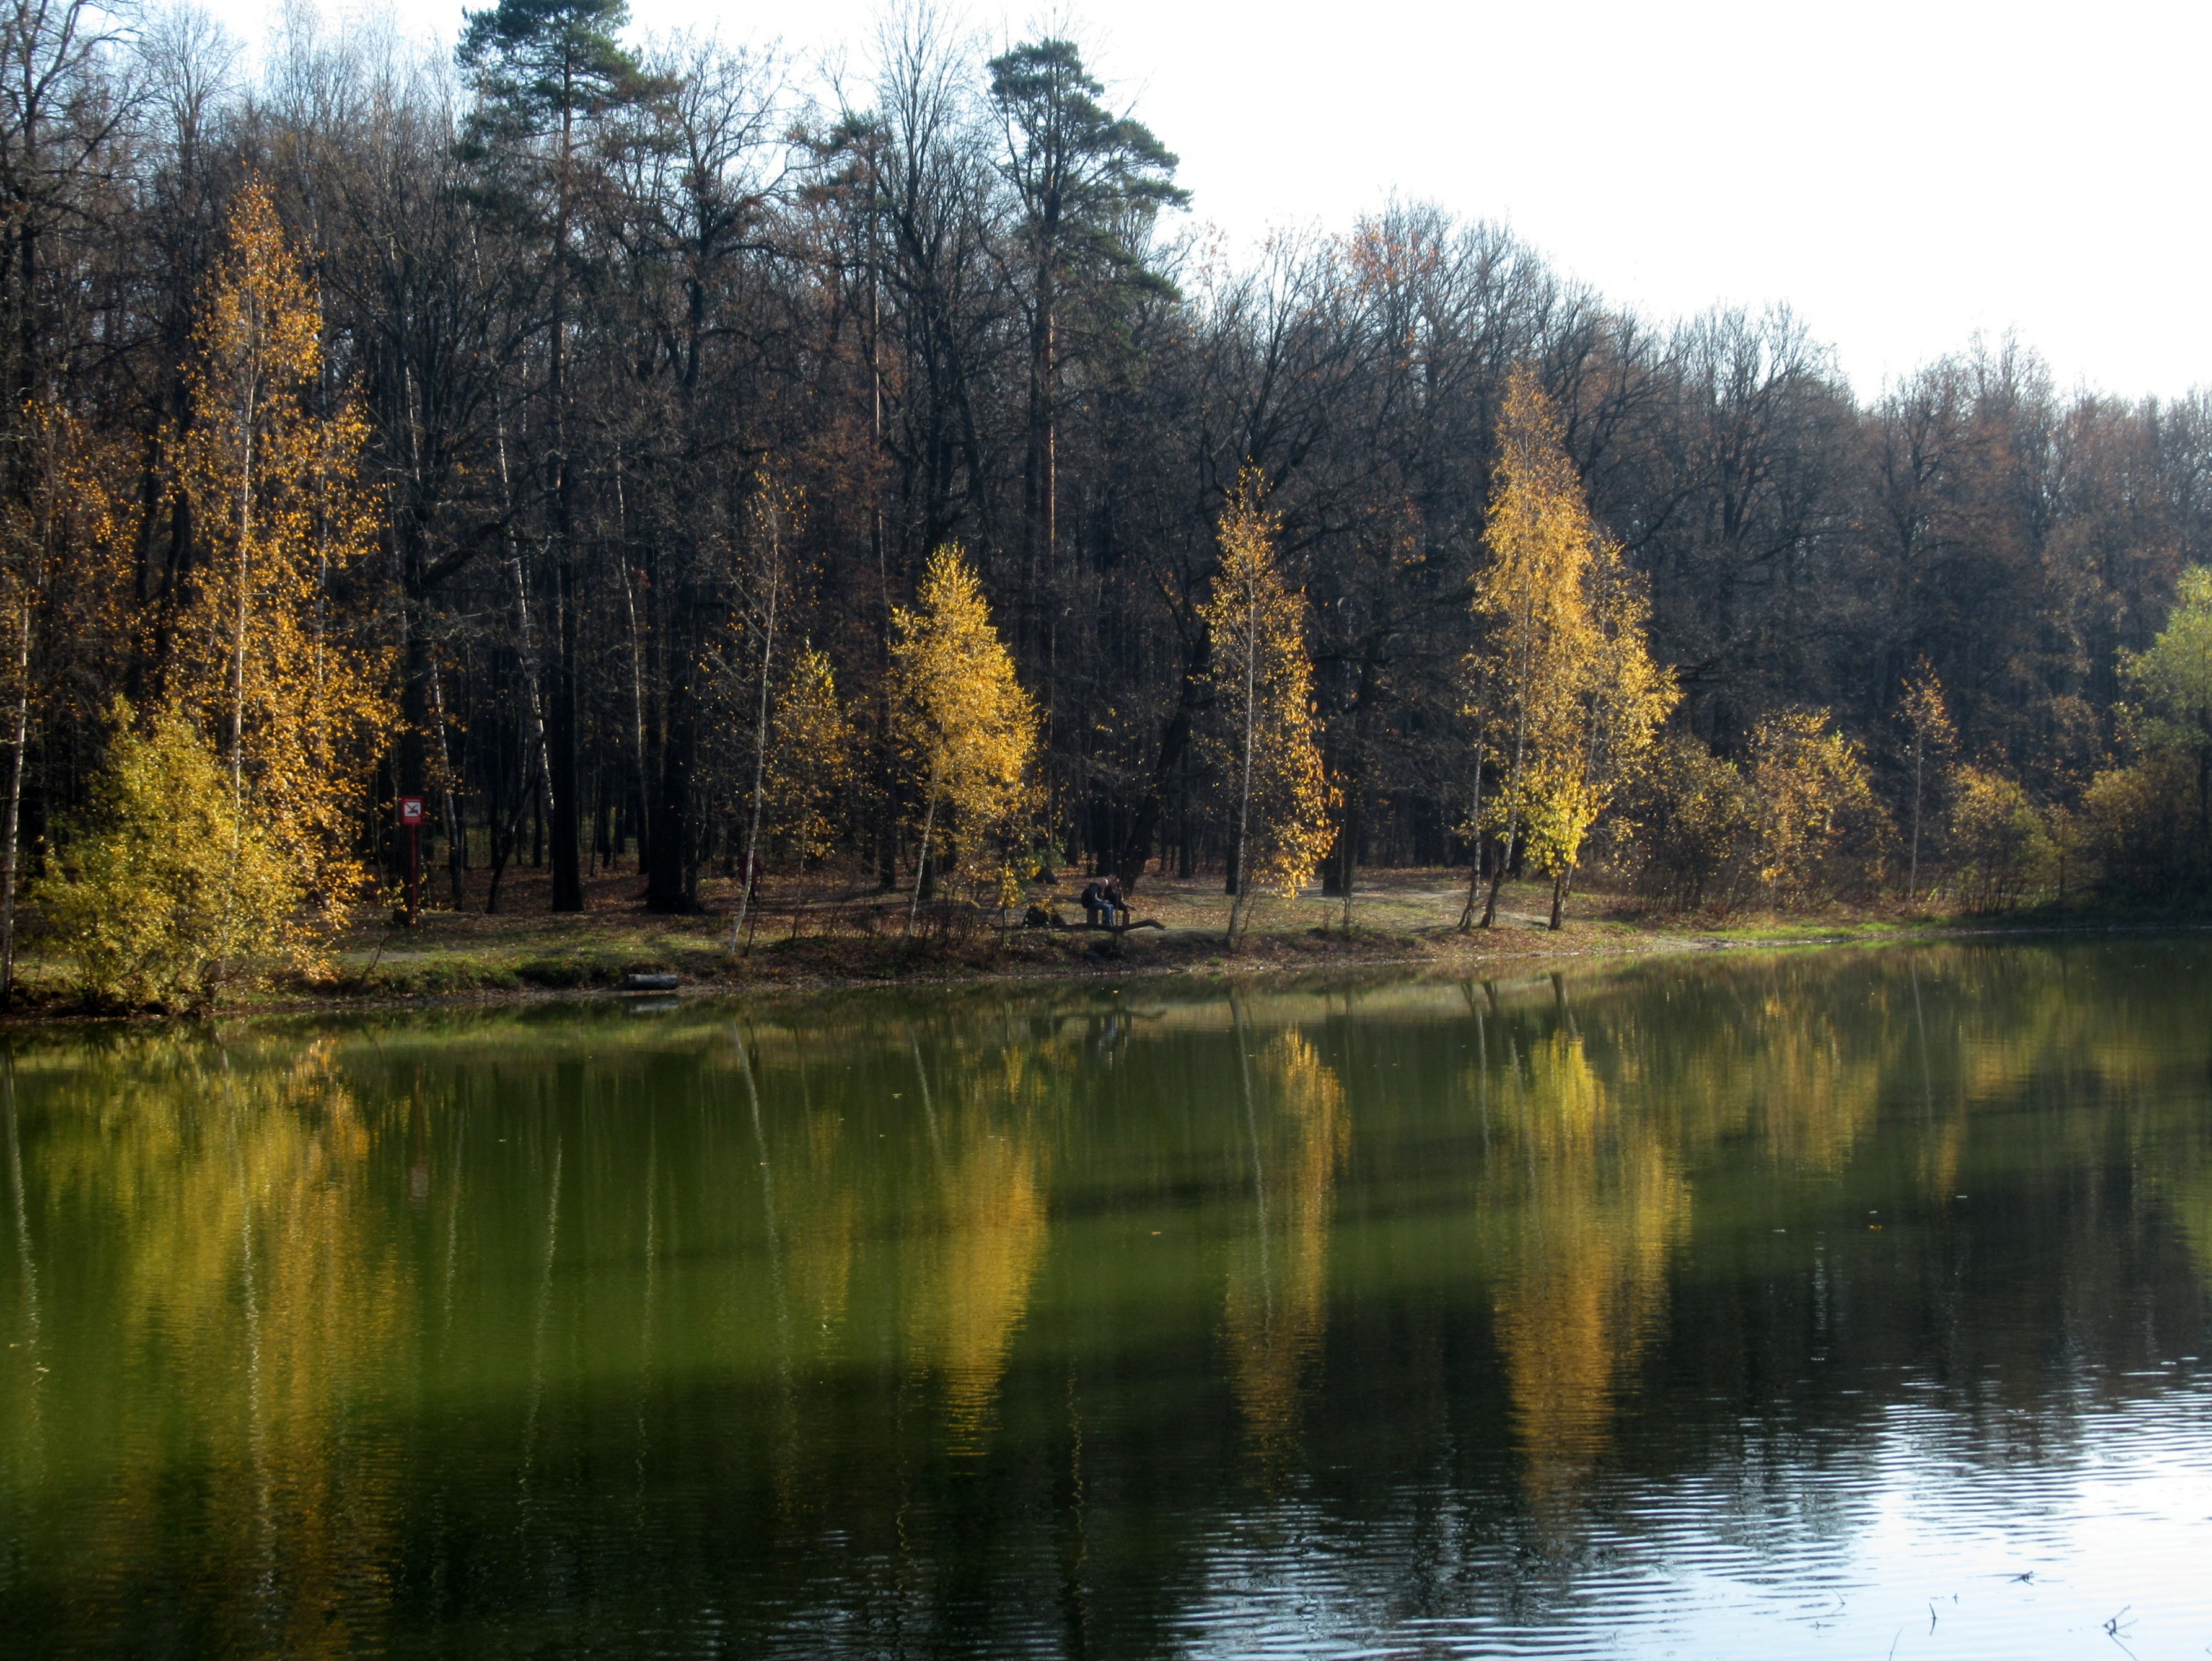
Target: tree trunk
{"points": [[456, 828], [749, 875], [921, 861], [1475, 847], [1497, 882], [561, 811], [1912, 876], [1236, 905], [1345, 855], [637, 715], [237, 639], [18, 741], [562, 827], [667, 893]]}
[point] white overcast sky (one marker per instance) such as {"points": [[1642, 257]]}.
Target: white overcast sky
{"points": [[1902, 173]]}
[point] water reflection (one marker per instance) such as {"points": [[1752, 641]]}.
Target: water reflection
{"points": [[255, 1281], [1583, 1209], [971, 1271], [1124, 1320], [1276, 1296]]}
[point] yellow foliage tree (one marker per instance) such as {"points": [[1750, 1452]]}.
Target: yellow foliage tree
{"points": [[1695, 815], [1562, 683], [2003, 847], [294, 691], [1625, 696], [1809, 784], [164, 895], [1262, 685], [810, 764], [961, 718]]}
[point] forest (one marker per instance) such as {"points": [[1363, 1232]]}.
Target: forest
{"points": [[656, 460]]}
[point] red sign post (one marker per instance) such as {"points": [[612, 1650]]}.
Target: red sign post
{"points": [[411, 821]]}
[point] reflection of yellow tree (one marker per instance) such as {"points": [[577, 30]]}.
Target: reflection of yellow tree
{"points": [[251, 1276], [967, 1255], [1772, 1055], [1812, 1094], [1277, 1303], [974, 1280], [1585, 1212]]}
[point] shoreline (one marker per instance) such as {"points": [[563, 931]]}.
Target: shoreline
{"points": [[590, 971]]}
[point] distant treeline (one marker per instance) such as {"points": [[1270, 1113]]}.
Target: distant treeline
{"points": [[612, 359]]}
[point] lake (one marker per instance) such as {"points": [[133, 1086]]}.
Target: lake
{"points": [[1845, 1303]]}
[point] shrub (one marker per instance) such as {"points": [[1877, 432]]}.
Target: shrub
{"points": [[1817, 829], [1693, 822], [2141, 825], [2002, 850], [166, 894]]}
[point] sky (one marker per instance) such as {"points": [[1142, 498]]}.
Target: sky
{"points": [[1904, 174]]}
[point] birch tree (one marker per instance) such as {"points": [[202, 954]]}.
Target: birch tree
{"points": [[1809, 788], [1625, 698], [288, 677], [809, 765], [965, 726], [1563, 681], [1931, 739], [164, 898], [1538, 638], [773, 510], [1261, 680]]}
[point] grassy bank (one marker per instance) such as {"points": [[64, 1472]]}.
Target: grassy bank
{"points": [[824, 933]]}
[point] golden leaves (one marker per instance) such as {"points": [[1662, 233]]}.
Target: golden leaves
{"points": [[1925, 713], [1276, 1304], [1563, 679], [960, 715], [809, 759], [1807, 781], [165, 895], [1583, 1218], [2002, 846], [293, 687], [1262, 684]]}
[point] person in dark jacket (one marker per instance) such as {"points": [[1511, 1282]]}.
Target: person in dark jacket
{"points": [[1094, 901], [1117, 908]]}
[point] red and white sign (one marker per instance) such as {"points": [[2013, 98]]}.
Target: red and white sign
{"points": [[410, 809]]}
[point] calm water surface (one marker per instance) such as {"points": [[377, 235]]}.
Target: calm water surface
{"points": [[1841, 1303]]}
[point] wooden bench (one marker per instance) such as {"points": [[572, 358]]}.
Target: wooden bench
{"points": [[1116, 930]]}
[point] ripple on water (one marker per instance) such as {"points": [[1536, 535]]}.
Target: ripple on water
{"points": [[1916, 1546]]}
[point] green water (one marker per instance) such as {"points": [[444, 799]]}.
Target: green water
{"points": [[1740, 1306]]}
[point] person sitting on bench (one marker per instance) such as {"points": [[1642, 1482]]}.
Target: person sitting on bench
{"points": [[1117, 907], [1094, 901]]}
